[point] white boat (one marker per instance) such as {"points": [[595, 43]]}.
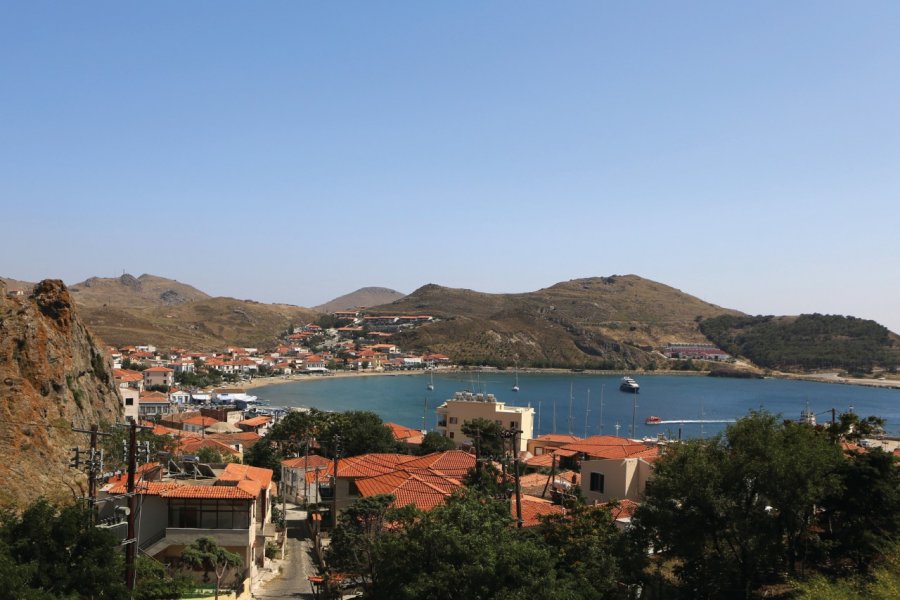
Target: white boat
{"points": [[629, 385], [515, 387], [430, 385]]}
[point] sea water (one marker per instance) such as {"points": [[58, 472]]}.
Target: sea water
{"points": [[586, 404]]}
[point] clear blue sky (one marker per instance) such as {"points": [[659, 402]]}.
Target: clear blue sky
{"points": [[746, 153]]}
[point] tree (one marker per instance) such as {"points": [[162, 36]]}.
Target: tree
{"points": [[155, 583], [863, 512], [355, 541], [466, 548], [49, 552], [206, 554], [209, 455], [360, 432], [739, 509], [487, 436], [435, 442]]}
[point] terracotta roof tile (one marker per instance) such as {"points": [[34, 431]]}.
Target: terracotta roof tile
{"points": [[313, 461], [533, 508], [232, 492]]}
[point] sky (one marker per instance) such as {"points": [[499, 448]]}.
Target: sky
{"points": [[745, 153]]}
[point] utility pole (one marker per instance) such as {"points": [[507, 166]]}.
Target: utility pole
{"points": [[94, 464], [337, 454], [131, 542], [515, 440]]}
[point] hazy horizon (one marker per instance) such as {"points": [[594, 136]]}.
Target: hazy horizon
{"points": [[290, 152]]}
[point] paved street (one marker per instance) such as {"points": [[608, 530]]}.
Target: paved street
{"points": [[292, 582]]}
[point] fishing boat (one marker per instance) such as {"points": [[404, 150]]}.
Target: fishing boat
{"points": [[629, 385], [652, 420]]}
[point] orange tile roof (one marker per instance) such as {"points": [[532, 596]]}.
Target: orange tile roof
{"points": [[533, 508], [622, 509], [201, 420], [255, 421], [232, 492], [313, 461], [560, 437], [247, 438], [407, 489], [234, 472], [163, 430], [453, 463], [542, 460], [193, 445], [148, 488], [605, 446], [158, 370], [405, 434], [127, 375]]}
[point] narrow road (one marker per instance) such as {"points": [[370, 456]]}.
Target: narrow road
{"points": [[292, 583]]}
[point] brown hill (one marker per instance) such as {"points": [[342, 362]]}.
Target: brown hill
{"points": [[610, 322], [127, 290], [367, 296], [15, 284], [208, 324], [52, 375]]}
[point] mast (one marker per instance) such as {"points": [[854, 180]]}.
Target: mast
{"points": [[571, 399], [601, 408], [587, 412], [634, 417]]}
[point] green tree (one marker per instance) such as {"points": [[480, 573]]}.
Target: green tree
{"points": [[206, 554], [49, 552], [435, 442], [739, 509], [487, 436], [360, 432], [209, 455], [466, 548], [863, 512], [155, 583]]}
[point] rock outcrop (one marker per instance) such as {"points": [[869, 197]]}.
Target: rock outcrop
{"points": [[53, 376]]}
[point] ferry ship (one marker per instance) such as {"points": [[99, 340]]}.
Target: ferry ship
{"points": [[629, 385]]}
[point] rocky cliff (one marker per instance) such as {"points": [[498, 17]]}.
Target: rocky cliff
{"points": [[53, 376]]}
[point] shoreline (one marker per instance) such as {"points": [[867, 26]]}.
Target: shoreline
{"points": [[832, 378]]}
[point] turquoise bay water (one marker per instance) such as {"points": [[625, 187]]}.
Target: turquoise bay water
{"points": [[402, 399]]}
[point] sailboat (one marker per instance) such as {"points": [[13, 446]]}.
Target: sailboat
{"points": [[430, 385], [515, 387]]}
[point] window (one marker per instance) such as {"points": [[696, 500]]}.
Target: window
{"points": [[208, 514], [498, 422], [453, 420], [129, 401], [513, 425], [451, 435], [597, 482]]}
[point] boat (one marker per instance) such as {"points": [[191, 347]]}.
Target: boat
{"points": [[430, 385], [652, 420], [515, 387], [629, 385]]}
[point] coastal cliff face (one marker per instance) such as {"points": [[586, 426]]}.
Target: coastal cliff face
{"points": [[53, 376]]}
